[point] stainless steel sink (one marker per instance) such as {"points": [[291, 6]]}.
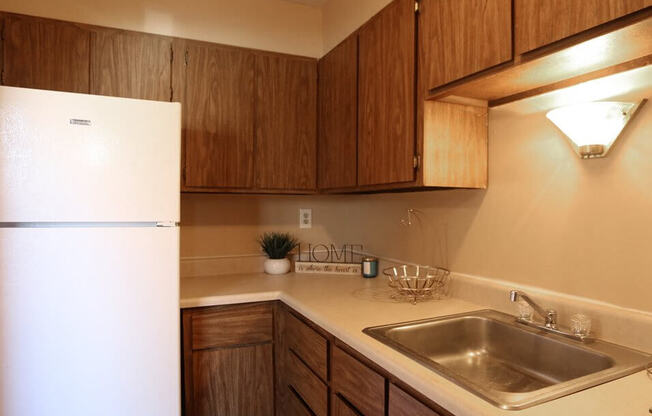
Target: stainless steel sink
{"points": [[511, 365]]}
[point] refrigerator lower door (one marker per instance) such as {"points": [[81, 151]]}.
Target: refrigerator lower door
{"points": [[89, 322]]}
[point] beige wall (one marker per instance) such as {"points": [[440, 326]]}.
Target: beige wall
{"points": [[222, 225], [274, 25], [342, 17], [548, 219]]}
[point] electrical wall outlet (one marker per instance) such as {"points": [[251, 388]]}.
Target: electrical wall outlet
{"points": [[305, 217]]}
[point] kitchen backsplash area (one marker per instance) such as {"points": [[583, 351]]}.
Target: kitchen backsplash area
{"points": [[548, 220]]}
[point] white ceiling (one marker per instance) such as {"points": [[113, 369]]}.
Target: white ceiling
{"points": [[314, 3]]}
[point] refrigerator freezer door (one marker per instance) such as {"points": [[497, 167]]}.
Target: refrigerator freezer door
{"points": [[82, 158], [83, 333]]}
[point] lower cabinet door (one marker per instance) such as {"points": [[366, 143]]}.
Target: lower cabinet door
{"points": [[233, 381]]}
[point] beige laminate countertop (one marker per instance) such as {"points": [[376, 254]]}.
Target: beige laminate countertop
{"points": [[344, 305]]}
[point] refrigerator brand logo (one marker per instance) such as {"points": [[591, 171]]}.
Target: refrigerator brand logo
{"points": [[80, 122]]}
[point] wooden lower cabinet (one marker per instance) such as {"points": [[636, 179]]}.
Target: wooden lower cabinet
{"points": [[228, 360], [295, 406], [357, 384], [233, 381], [264, 359], [402, 404], [342, 408]]}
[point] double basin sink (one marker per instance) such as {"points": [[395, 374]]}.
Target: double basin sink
{"points": [[510, 365]]}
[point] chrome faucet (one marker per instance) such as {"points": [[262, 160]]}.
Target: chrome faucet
{"points": [[549, 315]]}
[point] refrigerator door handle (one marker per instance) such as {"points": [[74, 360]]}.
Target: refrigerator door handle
{"points": [[167, 224]]}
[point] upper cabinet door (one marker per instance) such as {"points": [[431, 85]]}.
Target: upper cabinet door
{"points": [[386, 119], [286, 122], [538, 23], [45, 54], [130, 65], [460, 38], [218, 108], [338, 106]]}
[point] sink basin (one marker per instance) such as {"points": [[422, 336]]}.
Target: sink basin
{"points": [[511, 365]]}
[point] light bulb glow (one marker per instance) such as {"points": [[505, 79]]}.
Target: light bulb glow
{"points": [[592, 124]]}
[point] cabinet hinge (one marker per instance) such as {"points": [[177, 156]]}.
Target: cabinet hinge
{"points": [[416, 6], [416, 162]]}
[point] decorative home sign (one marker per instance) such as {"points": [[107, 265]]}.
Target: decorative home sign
{"points": [[323, 258]]}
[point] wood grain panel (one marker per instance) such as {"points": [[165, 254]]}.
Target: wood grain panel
{"points": [[307, 385], [286, 122], [218, 117], [338, 109], [307, 344], [455, 145], [402, 404], [232, 325], [609, 45], [341, 408], [45, 54], [358, 384], [538, 23], [458, 38], [295, 407], [131, 65], [233, 381], [386, 135]]}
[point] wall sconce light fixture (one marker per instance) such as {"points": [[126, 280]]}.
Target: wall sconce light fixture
{"points": [[593, 127]]}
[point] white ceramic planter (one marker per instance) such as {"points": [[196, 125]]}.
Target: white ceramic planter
{"points": [[276, 266]]}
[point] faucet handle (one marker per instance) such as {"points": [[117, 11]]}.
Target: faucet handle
{"points": [[580, 324], [551, 318]]}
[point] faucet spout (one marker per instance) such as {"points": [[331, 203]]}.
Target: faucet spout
{"points": [[549, 315]]}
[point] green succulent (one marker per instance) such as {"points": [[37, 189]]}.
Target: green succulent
{"points": [[277, 245]]}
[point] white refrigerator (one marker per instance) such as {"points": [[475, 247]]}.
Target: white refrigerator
{"points": [[89, 255]]}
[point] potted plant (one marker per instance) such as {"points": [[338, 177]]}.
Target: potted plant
{"points": [[277, 246]]}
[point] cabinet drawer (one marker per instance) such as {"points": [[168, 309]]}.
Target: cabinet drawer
{"points": [[307, 385], [341, 408], [232, 325], [402, 404], [359, 385], [295, 405], [307, 344]]}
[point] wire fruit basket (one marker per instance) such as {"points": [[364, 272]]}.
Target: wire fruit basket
{"points": [[415, 282]]}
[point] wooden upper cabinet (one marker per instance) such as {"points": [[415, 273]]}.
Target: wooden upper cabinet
{"points": [[386, 118], [538, 23], [338, 106], [218, 111], [286, 122], [45, 54], [131, 65], [459, 38]]}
